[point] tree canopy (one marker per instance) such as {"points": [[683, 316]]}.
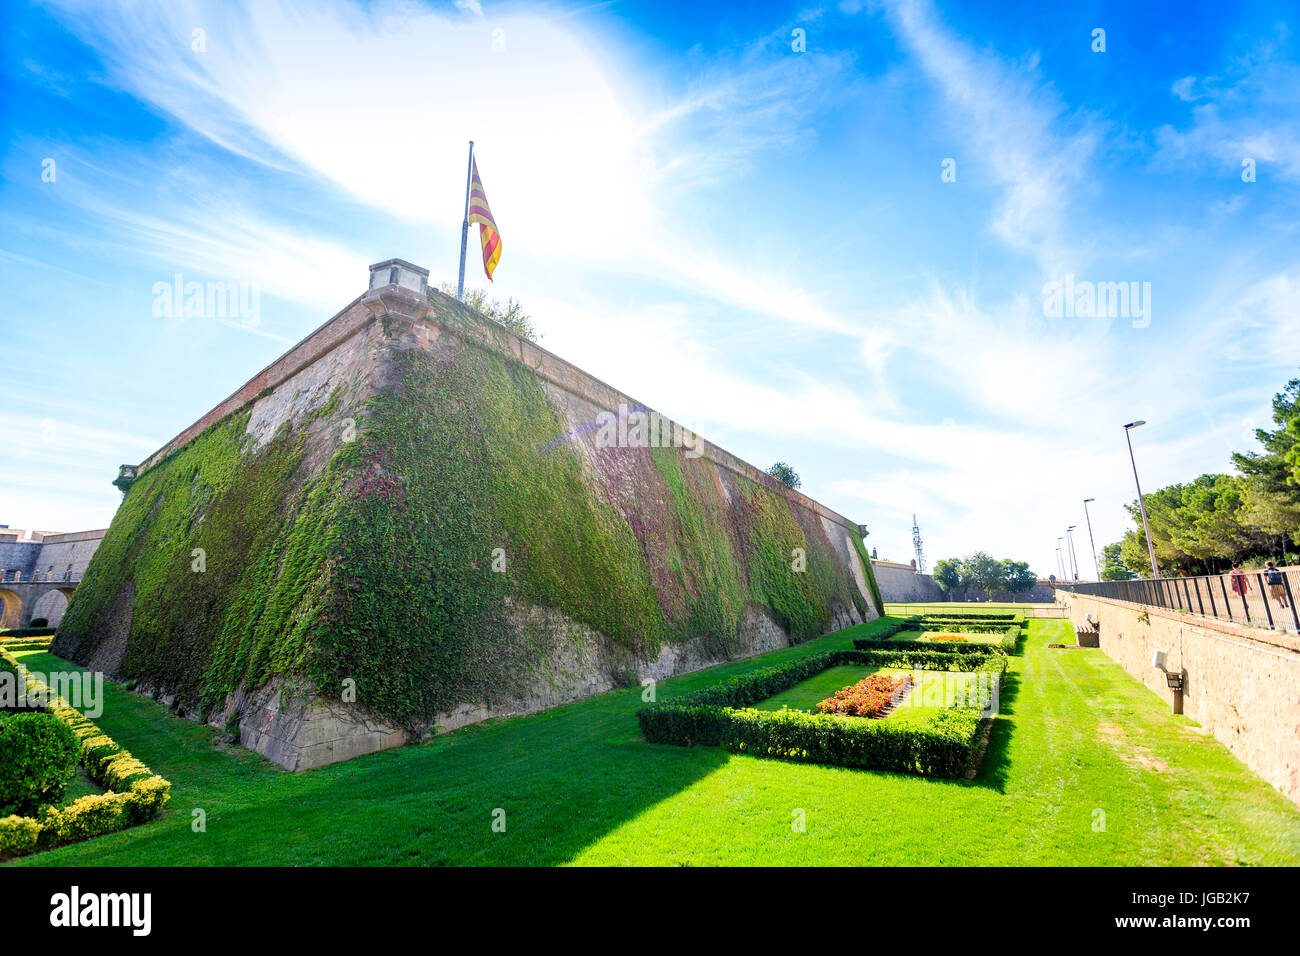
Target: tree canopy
{"points": [[983, 573], [1112, 565], [507, 312], [1214, 521], [785, 474]]}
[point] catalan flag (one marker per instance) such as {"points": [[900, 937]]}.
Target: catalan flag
{"points": [[487, 227]]}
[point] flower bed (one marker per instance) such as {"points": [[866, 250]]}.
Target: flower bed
{"points": [[722, 715], [869, 697], [135, 794]]}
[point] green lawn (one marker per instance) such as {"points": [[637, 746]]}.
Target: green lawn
{"points": [[932, 693], [805, 695], [967, 638], [579, 785]]}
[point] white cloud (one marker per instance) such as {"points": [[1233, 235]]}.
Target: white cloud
{"points": [[1018, 133], [1249, 111]]}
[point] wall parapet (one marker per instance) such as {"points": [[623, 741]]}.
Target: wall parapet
{"points": [[561, 373]]}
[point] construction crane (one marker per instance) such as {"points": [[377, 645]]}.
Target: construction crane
{"points": [[917, 547]]}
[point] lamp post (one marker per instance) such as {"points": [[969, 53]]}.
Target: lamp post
{"points": [[1146, 526], [1060, 559], [1074, 558], [1091, 543]]}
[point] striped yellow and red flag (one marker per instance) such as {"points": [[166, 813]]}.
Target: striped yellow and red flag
{"points": [[487, 226]]}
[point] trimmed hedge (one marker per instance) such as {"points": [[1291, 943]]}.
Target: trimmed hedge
{"points": [[135, 793], [26, 632], [27, 644], [38, 756], [948, 647], [879, 640], [720, 716], [1015, 616], [893, 627], [941, 747], [1007, 645], [966, 627], [17, 836]]}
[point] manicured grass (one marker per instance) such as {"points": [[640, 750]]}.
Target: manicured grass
{"points": [[967, 638], [931, 694], [805, 696], [80, 786], [923, 701], [579, 785]]}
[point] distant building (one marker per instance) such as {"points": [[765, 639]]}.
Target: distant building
{"points": [[39, 570]]}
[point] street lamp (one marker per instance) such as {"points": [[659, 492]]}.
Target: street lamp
{"points": [[1074, 558], [1059, 559], [1091, 543], [1146, 526]]}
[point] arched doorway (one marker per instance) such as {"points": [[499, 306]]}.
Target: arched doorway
{"points": [[12, 615], [51, 605]]}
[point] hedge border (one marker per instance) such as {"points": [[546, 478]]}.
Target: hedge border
{"points": [[997, 616], [880, 639], [20, 632], [1008, 644], [26, 644], [134, 793], [722, 715]]}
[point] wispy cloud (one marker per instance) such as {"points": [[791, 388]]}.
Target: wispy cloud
{"points": [[1018, 132], [1250, 110]]}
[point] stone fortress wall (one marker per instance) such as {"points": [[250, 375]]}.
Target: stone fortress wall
{"points": [[300, 730]]}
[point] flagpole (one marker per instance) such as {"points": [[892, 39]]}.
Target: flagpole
{"points": [[464, 226]]}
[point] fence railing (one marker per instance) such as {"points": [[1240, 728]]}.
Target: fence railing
{"points": [[1247, 597], [904, 608], [39, 577]]}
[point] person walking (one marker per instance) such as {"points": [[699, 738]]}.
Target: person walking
{"points": [[1239, 582], [1276, 585]]}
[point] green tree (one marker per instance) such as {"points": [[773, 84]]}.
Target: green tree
{"points": [[1201, 527], [785, 474], [1112, 565], [984, 573], [507, 312], [1017, 577], [948, 574], [1272, 493]]}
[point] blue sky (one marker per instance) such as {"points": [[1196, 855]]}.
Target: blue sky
{"points": [[754, 239]]}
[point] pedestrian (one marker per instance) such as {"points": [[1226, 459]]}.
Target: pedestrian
{"points": [[1276, 584], [1239, 582]]}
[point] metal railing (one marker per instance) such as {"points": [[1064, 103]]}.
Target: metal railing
{"points": [[904, 608], [1246, 597], [8, 576]]}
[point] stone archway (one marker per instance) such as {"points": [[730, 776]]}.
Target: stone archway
{"points": [[12, 615], [51, 605]]}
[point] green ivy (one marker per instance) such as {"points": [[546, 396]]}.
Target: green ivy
{"points": [[383, 566]]}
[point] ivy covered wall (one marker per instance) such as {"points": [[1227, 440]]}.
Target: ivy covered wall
{"points": [[395, 555]]}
